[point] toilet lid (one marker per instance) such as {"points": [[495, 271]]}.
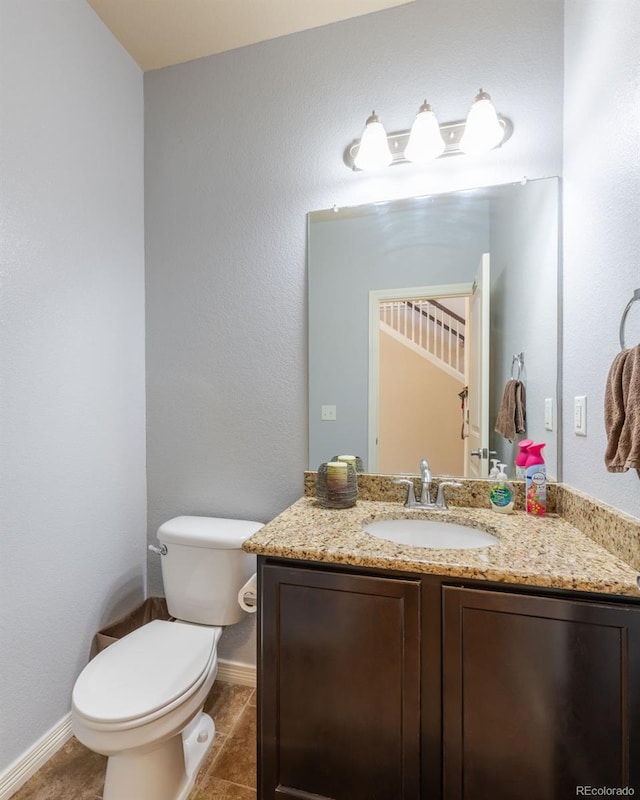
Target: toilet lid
{"points": [[215, 532], [145, 671]]}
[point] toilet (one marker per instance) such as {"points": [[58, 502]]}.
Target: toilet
{"points": [[140, 701]]}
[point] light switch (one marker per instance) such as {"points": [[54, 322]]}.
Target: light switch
{"points": [[580, 416], [548, 413], [327, 413]]}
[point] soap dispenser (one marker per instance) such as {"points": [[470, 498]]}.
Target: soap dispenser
{"points": [[494, 472], [502, 494]]}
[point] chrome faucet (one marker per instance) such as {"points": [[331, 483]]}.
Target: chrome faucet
{"points": [[425, 477], [425, 495]]}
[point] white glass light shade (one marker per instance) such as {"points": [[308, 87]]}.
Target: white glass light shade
{"points": [[483, 130], [373, 152], [425, 140]]}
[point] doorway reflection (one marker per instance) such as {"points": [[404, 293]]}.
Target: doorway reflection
{"points": [[422, 373]]}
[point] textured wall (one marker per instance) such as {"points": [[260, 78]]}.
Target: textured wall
{"points": [[524, 309], [72, 482], [239, 147], [601, 229]]}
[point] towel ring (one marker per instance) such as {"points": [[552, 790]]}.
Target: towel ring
{"points": [[636, 296], [516, 363]]}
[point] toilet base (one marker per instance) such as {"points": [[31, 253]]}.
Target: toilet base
{"points": [[167, 772], [197, 740]]}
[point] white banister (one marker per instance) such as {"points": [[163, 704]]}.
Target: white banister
{"points": [[430, 328]]}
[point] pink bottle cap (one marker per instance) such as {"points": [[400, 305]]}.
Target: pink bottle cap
{"points": [[521, 458], [534, 454]]}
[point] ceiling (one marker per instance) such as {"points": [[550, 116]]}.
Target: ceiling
{"points": [[159, 33]]}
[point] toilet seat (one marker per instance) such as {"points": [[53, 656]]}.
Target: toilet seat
{"points": [[172, 660]]}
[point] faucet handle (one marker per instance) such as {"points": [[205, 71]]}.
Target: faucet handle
{"points": [[441, 501], [411, 492]]}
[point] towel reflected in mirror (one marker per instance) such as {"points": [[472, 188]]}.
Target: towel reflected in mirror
{"points": [[512, 416]]}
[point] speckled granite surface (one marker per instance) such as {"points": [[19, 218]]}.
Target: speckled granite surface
{"points": [[545, 552], [472, 493], [617, 532]]}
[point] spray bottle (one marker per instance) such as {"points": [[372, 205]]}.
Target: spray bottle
{"points": [[521, 458], [536, 481]]}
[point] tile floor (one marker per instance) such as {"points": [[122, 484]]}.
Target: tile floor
{"points": [[229, 771]]}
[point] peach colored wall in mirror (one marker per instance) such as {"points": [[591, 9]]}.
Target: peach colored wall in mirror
{"points": [[412, 387]]}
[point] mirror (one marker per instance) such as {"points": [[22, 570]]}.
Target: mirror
{"points": [[380, 272]]}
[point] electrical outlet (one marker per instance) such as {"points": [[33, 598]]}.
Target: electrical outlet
{"points": [[327, 413]]}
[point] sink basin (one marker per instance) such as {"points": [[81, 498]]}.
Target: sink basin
{"points": [[430, 533]]}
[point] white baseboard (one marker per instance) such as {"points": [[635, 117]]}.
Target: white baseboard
{"points": [[233, 672], [18, 773]]}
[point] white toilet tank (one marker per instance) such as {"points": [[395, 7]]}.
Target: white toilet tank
{"points": [[204, 567]]}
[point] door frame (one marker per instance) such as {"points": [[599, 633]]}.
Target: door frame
{"points": [[377, 296], [481, 398]]}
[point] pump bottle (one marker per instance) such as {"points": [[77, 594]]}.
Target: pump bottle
{"points": [[502, 495]]}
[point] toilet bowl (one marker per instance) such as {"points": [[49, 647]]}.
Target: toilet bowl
{"points": [[134, 701], [140, 701]]}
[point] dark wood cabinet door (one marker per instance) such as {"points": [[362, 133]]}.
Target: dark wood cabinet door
{"points": [[339, 686], [540, 696]]}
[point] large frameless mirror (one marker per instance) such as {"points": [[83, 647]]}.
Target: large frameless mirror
{"points": [[421, 311]]}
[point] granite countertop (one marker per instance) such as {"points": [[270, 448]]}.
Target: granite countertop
{"points": [[545, 552]]}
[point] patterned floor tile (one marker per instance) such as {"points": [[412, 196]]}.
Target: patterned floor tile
{"points": [[225, 703], [76, 773], [237, 760]]}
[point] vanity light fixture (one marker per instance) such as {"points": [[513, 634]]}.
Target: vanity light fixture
{"points": [[425, 140], [373, 152], [482, 131]]}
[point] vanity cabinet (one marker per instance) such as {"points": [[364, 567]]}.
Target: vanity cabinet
{"points": [[339, 686], [377, 686], [540, 695]]}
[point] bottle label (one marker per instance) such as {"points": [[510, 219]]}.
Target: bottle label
{"points": [[500, 496], [537, 492]]}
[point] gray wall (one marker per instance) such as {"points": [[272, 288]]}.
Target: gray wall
{"points": [[238, 148], [72, 482], [524, 309], [601, 230]]}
